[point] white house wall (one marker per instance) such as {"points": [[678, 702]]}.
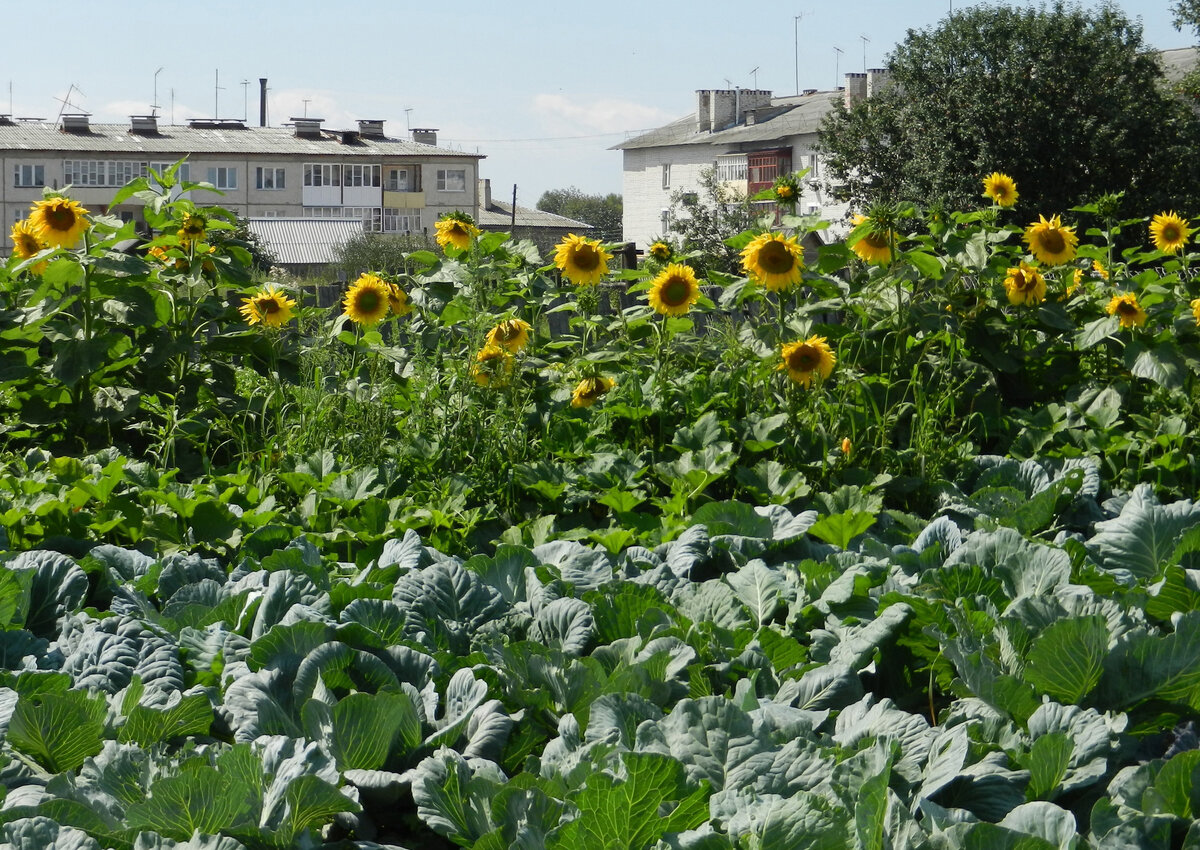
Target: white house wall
{"points": [[643, 197]]}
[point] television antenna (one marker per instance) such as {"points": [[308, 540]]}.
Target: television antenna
{"points": [[307, 101], [754, 74], [408, 117], [154, 105], [864, 41], [245, 108], [837, 62], [66, 101], [217, 87]]}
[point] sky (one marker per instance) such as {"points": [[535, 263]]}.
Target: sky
{"points": [[542, 90]]}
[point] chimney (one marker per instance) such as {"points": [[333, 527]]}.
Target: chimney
{"points": [[751, 117], [370, 128], [75, 123], [749, 100], [856, 88], [703, 99], [722, 110], [424, 136], [485, 194], [262, 101], [307, 128], [878, 79], [143, 125]]}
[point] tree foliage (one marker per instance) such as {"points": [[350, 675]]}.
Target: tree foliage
{"points": [[382, 252], [602, 212], [704, 220], [1069, 102]]}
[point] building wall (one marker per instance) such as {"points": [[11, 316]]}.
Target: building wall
{"points": [[643, 195]]}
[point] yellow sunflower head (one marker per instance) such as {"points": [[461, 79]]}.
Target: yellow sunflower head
{"points": [[1052, 242], [1075, 284], [1025, 285], [58, 221], [660, 251], [1098, 268], [1126, 308], [269, 307], [511, 335], [193, 228], [1196, 309], [674, 291], [1169, 232], [588, 391], [455, 230], [398, 300], [26, 244], [584, 262], [807, 360], [1001, 188], [367, 301], [773, 260], [493, 366], [787, 190], [875, 245]]}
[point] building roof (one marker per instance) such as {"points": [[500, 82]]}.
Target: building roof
{"points": [[304, 241], [230, 138], [1178, 62], [786, 116], [499, 215]]}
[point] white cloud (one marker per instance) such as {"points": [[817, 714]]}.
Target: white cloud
{"points": [[597, 115]]}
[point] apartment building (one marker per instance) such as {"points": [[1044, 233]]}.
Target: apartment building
{"points": [[302, 170]]}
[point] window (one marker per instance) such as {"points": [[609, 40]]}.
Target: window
{"points": [[666, 175], [317, 174], [665, 221], [401, 220], [731, 167], [183, 173], [452, 180], [268, 178], [397, 180], [223, 177], [371, 217], [29, 175], [362, 175]]}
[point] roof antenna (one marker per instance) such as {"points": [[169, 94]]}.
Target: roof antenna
{"points": [[217, 94], [864, 41], [754, 73], [66, 101], [408, 117], [837, 61], [154, 106]]}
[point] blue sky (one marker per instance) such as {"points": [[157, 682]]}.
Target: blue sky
{"points": [[541, 89]]}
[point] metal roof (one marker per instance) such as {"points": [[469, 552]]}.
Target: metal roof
{"points": [[302, 241], [1177, 63], [175, 141], [785, 117], [499, 215]]}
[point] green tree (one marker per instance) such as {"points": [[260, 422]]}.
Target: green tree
{"points": [[602, 212], [381, 252], [704, 220], [1070, 103]]}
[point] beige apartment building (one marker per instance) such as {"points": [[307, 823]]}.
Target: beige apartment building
{"points": [[302, 170]]}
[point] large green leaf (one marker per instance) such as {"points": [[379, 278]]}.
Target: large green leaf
{"points": [[191, 715], [1047, 763], [1025, 567], [364, 729], [1067, 658], [59, 730], [200, 799], [1141, 541], [1145, 665]]}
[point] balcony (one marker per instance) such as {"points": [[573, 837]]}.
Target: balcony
{"points": [[763, 167]]}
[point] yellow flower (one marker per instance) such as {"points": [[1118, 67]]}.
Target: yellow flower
{"points": [[456, 232], [1098, 268], [493, 366], [1169, 232], [511, 335], [26, 244], [582, 261], [1126, 308], [1073, 286], [193, 228], [660, 251], [775, 261], [846, 445], [1000, 188], [1196, 309], [1025, 285], [367, 300], [269, 306], [1052, 242], [58, 222], [805, 360], [674, 291], [398, 300], [588, 391], [875, 247]]}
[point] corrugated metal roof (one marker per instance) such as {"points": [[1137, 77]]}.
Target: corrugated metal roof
{"points": [[172, 140], [303, 241], [499, 215], [786, 116], [1177, 63]]}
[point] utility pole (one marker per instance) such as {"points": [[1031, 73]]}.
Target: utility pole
{"points": [[796, 32]]}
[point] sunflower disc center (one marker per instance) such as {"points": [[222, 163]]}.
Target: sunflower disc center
{"points": [[586, 258], [775, 258], [60, 218], [1053, 242], [804, 359], [675, 292]]}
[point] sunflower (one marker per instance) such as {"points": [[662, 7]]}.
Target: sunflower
{"points": [[493, 366], [660, 251], [511, 335], [26, 245], [582, 261], [1126, 308], [1052, 242], [456, 232], [367, 300], [1000, 188], [674, 291], [58, 222], [774, 261], [1073, 286], [398, 300], [269, 307], [1025, 285], [1169, 232], [588, 391], [787, 190], [1196, 309], [804, 360], [193, 228], [874, 246]]}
